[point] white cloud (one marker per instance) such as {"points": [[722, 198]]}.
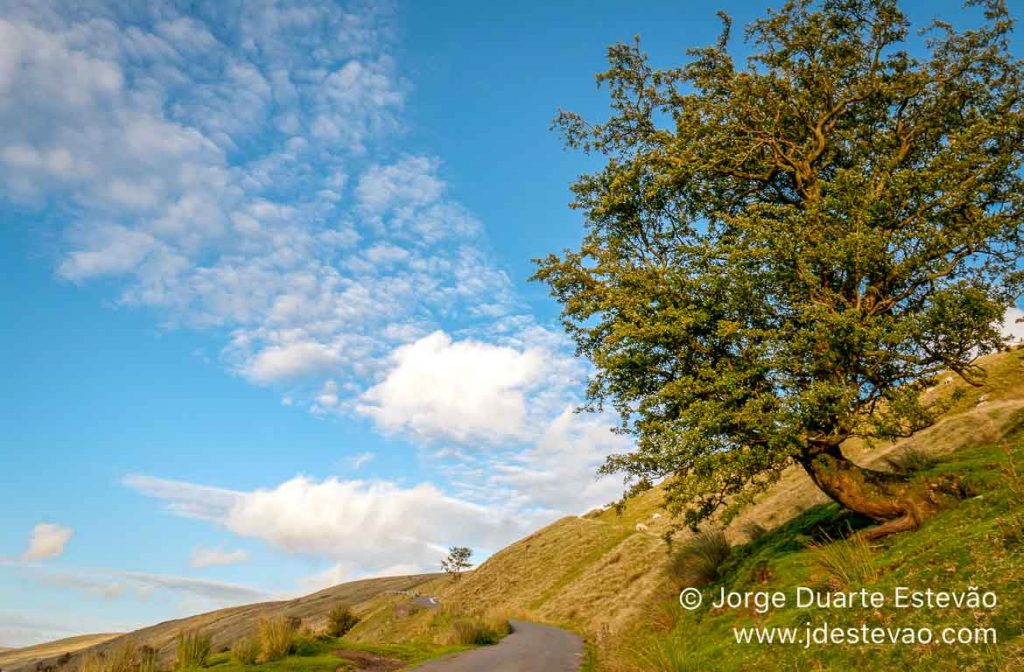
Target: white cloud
{"points": [[246, 180], [208, 557], [366, 524], [46, 541], [410, 182], [1013, 324], [459, 390], [287, 362], [559, 473]]}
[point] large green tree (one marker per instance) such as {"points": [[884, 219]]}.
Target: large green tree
{"points": [[781, 253]]}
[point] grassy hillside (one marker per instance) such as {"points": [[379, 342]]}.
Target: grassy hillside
{"points": [[607, 574], [603, 577]]}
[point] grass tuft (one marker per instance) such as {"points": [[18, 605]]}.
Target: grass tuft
{"points": [[340, 620], [665, 655], [478, 632], [246, 651], [699, 561], [193, 650], [277, 638], [845, 564]]}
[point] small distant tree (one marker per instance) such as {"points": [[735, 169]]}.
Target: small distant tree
{"points": [[457, 561]]}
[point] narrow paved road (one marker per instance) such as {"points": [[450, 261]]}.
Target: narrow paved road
{"points": [[530, 648]]}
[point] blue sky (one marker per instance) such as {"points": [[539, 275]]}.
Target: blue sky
{"points": [[266, 318]]}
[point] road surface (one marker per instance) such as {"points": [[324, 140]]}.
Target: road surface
{"points": [[530, 648]]}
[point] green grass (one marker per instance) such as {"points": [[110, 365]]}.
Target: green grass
{"points": [[318, 656], [970, 544]]}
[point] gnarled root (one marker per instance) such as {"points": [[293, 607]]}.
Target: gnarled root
{"points": [[894, 500]]}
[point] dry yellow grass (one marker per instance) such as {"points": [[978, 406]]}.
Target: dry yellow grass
{"points": [[10, 658]]}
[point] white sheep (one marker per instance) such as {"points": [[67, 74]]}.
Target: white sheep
{"points": [[656, 516], [640, 527]]}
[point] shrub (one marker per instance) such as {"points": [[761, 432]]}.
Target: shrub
{"points": [[245, 651], [277, 638], [700, 559], [340, 620], [478, 632], [845, 564], [910, 460], [193, 650], [754, 530]]}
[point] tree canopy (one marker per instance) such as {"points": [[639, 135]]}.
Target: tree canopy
{"points": [[781, 253]]}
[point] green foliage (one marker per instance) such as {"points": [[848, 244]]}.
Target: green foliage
{"points": [[699, 561], [246, 651], [780, 255], [193, 649], [457, 561], [340, 620], [276, 636]]}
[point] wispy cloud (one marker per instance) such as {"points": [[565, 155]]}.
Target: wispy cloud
{"points": [[115, 583], [208, 557], [361, 460]]}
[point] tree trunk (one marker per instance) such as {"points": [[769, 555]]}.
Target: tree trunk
{"points": [[895, 501]]}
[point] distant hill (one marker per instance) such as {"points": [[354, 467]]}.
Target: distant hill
{"points": [[225, 625], [12, 658]]}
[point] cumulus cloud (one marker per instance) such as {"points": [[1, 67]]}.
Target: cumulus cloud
{"points": [[365, 524], [461, 390], [46, 541], [208, 557]]}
